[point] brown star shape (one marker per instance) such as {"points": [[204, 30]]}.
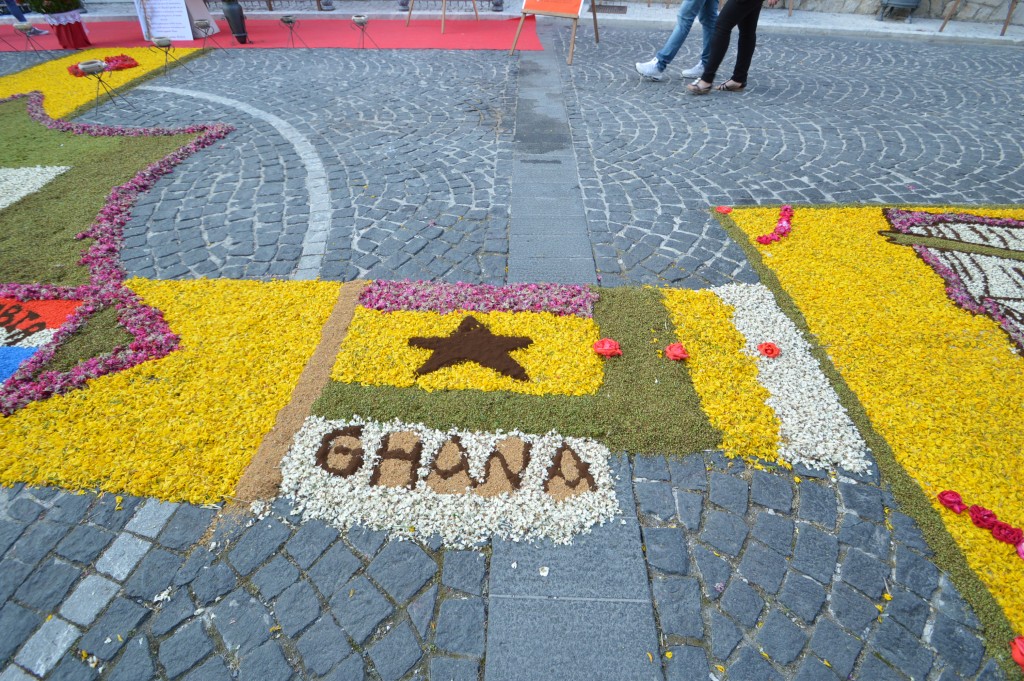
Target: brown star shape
{"points": [[473, 342]]}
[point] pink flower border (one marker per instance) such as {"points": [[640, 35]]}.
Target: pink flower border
{"points": [[902, 221], [152, 337], [443, 297]]}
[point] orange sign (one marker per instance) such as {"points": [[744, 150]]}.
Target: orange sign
{"points": [[558, 8]]}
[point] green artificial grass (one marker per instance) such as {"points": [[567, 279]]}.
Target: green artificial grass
{"points": [[647, 404], [908, 493], [37, 234]]}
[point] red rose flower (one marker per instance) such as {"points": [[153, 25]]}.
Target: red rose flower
{"points": [[770, 350], [982, 517], [1020, 550], [952, 501], [724, 210], [606, 347], [1017, 650], [1007, 533], [676, 352]]}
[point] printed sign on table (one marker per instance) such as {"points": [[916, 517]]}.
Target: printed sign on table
{"points": [[164, 19]]}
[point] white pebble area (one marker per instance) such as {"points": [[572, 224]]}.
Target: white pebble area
{"points": [[461, 520], [17, 183], [815, 428]]}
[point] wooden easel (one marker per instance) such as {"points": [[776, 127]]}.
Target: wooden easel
{"points": [[557, 8], [956, 6], [444, 11]]}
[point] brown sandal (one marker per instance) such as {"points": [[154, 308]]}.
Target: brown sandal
{"points": [[696, 89], [735, 87]]}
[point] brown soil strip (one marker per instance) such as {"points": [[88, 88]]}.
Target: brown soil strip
{"points": [[262, 478]]}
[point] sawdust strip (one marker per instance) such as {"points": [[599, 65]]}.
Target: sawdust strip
{"points": [[262, 477]]}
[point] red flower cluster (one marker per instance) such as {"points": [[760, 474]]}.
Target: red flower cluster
{"points": [[606, 347], [724, 210], [1017, 650], [782, 227], [986, 520], [676, 352], [118, 62], [769, 350]]}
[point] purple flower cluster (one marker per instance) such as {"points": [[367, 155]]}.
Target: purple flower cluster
{"points": [[441, 297], [903, 221], [152, 337]]}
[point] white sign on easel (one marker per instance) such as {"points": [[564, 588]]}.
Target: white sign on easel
{"points": [[164, 19]]}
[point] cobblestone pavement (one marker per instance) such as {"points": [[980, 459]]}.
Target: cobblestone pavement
{"points": [[738, 573]]}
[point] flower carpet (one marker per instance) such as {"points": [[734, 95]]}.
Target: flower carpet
{"points": [[880, 336]]}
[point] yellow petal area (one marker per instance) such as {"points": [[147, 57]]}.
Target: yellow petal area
{"points": [[181, 428], [725, 377], [560, 361], [942, 386], [63, 93]]}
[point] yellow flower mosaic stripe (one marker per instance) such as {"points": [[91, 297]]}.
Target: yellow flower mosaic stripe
{"points": [[942, 386], [63, 93], [724, 376], [560, 361], [184, 427]]}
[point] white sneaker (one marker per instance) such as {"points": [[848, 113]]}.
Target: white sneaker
{"points": [[650, 70], [695, 72]]}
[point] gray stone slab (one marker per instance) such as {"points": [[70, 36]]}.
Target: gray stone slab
{"points": [[677, 600], [47, 585], [17, 624], [185, 527], [359, 608], [110, 632], [88, 599], [815, 552], [729, 492], [213, 582], [84, 543], [552, 270], [607, 563], [136, 664], [154, 574], [530, 638], [43, 650], [122, 556], [655, 500], [184, 649], [323, 646], [724, 531], [866, 573], [460, 627], [173, 612], [213, 669], [350, 669], [334, 569], [742, 603], [750, 665], [689, 506], [902, 649], [687, 663], [421, 610], [818, 503], [725, 635], [665, 548], [464, 571], [781, 638], [958, 645], [836, 646], [366, 541], [242, 622], [396, 653], [275, 577], [266, 663], [402, 568], [259, 543], [763, 566], [771, 490], [454, 669], [297, 607], [151, 518], [802, 595], [309, 543]]}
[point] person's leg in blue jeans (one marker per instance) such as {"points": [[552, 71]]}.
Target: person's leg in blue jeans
{"points": [[708, 22], [12, 7], [684, 22]]}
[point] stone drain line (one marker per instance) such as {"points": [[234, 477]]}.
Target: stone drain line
{"points": [[548, 236], [314, 243]]}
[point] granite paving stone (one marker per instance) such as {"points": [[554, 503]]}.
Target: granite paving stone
{"points": [[813, 669], [865, 535], [350, 669], [851, 609], [69, 508], [650, 468], [36, 541], [258, 544], [213, 669], [266, 663], [802, 595], [150, 518], [70, 669], [122, 556], [46, 586], [106, 637], [309, 543], [402, 568], [421, 610], [902, 649], [915, 572], [689, 506], [742, 602], [665, 548], [172, 612], [949, 602], [24, 510], [397, 652], [460, 627], [333, 569], [818, 504], [815, 553], [687, 662], [12, 574], [677, 600], [689, 473], [771, 491], [323, 645], [729, 492], [454, 669], [88, 599], [359, 608], [724, 531], [959, 646], [836, 646], [113, 511], [750, 665], [464, 571], [136, 663], [874, 667], [9, 533], [185, 527], [198, 560], [714, 571], [655, 500], [275, 577], [153, 575], [297, 607], [242, 621], [762, 566], [17, 624], [46, 646], [84, 543], [184, 649], [213, 582], [781, 638]]}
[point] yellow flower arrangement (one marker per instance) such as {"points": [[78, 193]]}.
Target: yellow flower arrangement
{"points": [[63, 93], [724, 376], [942, 386], [560, 360], [184, 427]]}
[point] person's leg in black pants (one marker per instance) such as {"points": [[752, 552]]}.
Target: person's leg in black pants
{"points": [[746, 44], [728, 18]]}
